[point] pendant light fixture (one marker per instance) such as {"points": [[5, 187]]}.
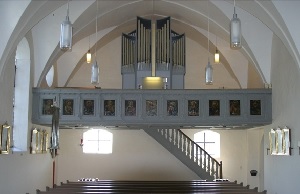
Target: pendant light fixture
{"points": [[66, 33], [208, 68], [235, 31], [89, 54], [95, 68], [217, 54]]}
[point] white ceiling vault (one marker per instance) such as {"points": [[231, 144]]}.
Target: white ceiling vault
{"points": [[39, 21]]}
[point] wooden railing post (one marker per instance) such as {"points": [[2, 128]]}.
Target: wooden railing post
{"points": [[193, 151], [201, 158]]}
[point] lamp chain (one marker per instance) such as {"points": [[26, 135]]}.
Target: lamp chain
{"points": [[68, 9], [96, 30], [208, 32]]}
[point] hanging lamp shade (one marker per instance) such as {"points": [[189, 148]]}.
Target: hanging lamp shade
{"points": [[88, 56], [95, 74], [208, 74], [235, 32], [217, 56], [66, 33]]}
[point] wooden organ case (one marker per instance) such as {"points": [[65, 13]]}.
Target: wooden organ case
{"points": [[153, 56]]}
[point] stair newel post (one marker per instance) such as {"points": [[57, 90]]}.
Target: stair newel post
{"points": [[221, 170], [209, 164], [217, 170]]}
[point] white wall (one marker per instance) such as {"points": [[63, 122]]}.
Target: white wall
{"points": [[282, 172], [255, 157], [109, 61], [136, 156], [240, 152], [6, 88], [31, 172], [24, 173]]}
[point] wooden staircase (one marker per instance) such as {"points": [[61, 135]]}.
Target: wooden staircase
{"points": [[188, 152]]}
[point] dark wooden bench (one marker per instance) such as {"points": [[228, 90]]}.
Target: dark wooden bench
{"points": [[121, 187]]}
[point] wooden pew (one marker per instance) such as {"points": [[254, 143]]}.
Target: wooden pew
{"points": [[121, 187]]}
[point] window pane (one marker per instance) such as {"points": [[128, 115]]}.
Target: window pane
{"points": [[210, 141], [90, 147], [105, 147], [97, 141]]}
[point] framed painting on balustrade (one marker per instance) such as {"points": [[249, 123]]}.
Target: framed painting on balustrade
{"points": [[88, 108], [255, 107], [70, 106], [214, 107], [151, 107], [234, 107], [46, 103], [172, 107], [193, 107], [130, 108], [109, 107], [47, 106]]}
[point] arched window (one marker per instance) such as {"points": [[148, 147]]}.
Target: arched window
{"points": [[209, 141], [21, 96], [97, 141], [50, 76]]}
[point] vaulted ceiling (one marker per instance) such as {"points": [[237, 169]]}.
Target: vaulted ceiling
{"points": [[39, 21]]}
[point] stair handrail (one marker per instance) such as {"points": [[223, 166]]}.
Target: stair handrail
{"points": [[218, 164]]}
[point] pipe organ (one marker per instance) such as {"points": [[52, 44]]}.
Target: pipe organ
{"points": [[153, 50]]}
